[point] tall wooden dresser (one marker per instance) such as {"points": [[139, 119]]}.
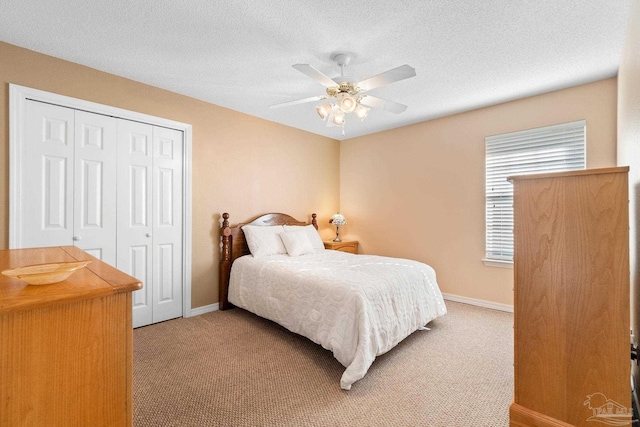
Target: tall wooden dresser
{"points": [[571, 299], [66, 349]]}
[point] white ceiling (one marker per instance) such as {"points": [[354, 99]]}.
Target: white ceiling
{"points": [[238, 53]]}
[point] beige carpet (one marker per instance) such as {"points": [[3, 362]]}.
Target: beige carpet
{"points": [[233, 368]]}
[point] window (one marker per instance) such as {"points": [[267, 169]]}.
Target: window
{"points": [[549, 149]]}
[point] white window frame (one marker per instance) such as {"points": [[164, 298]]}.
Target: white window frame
{"points": [[555, 148]]}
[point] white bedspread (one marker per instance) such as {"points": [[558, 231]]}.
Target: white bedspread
{"points": [[357, 306]]}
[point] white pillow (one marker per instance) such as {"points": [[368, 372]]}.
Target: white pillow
{"points": [[264, 240], [312, 234], [297, 243]]}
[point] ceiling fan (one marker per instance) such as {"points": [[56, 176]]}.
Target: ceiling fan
{"points": [[350, 96]]}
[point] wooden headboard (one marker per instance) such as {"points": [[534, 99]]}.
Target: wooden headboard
{"points": [[234, 245]]}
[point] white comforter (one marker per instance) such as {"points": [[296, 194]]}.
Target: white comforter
{"points": [[357, 306]]}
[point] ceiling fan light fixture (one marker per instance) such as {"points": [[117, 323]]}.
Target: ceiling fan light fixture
{"points": [[344, 93], [324, 110], [360, 111]]}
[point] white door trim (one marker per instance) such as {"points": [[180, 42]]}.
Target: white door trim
{"points": [[18, 95]]}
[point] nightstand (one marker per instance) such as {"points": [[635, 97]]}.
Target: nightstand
{"points": [[350, 246]]}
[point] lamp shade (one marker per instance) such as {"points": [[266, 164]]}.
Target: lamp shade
{"points": [[338, 118], [346, 102], [323, 110], [361, 111], [338, 219]]}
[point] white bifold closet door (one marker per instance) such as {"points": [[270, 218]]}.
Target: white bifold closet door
{"points": [[69, 167], [150, 222], [112, 187]]}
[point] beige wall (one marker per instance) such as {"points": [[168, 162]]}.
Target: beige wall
{"points": [[241, 164], [629, 146], [418, 191]]}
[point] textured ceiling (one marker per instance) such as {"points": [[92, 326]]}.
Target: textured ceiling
{"points": [[238, 53]]}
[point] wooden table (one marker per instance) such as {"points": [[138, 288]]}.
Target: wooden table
{"points": [[350, 246], [66, 349]]}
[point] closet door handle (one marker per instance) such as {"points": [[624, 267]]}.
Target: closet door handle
{"points": [[149, 234], [77, 238]]}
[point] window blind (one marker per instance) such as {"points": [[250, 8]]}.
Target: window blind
{"points": [[549, 149]]}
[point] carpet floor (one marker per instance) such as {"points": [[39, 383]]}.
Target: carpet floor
{"points": [[233, 368]]}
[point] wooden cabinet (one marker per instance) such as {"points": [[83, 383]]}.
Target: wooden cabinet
{"points": [[571, 306], [350, 246], [66, 348]]}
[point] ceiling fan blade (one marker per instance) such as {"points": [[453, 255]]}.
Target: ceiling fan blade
{"points": [[298, 101], [375, 102], [396, 74], [315, 75]]}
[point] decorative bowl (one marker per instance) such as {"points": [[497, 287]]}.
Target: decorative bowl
{"points": [[45, 274]]}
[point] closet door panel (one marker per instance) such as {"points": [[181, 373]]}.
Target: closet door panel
{"points": [[138, 260], [54, 211], [167, 223], [95, 185], [47, 176], [166, 285], [135, 252]]}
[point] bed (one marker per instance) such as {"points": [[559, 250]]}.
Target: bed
{"points": [[356, 306]]}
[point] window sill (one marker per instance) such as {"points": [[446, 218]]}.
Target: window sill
{"points": [[497, 263]]}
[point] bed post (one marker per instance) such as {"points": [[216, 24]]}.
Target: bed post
{"points": [[225, 262], [313, 220]]}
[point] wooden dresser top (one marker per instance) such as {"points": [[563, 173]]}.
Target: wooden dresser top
{"points": [[96, 280], [617, 169]]}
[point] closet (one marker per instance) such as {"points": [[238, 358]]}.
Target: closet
{"points": [[571, 299], [112, 187]]}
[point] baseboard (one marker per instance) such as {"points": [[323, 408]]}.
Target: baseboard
{"points": [[203, 309], [479, 302]]}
